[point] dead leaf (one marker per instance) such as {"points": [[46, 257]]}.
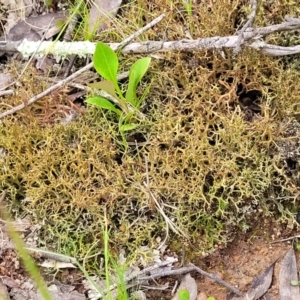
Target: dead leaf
{"points": [[288, 274], [259, 287], [261, 284], [5, 79], [3, 291], [10, 282], [187, 283], [21, 8], [17, 10], [100, 13], [44, 64], [34, 28], [139, 295], [25, 291], [58, 294]]}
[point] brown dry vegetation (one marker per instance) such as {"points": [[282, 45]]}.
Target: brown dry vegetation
{"points": [[221, 138]]}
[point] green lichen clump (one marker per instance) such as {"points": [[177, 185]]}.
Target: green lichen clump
{"points": [[214, 141]]}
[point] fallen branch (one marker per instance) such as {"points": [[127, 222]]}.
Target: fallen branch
{"points": [[252, 37], [189, 269]]}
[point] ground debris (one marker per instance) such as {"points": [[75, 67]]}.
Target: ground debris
{"points": [[288, 277], [187, 283], [259, 286]]}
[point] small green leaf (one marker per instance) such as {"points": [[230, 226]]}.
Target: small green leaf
{"points": [[136, 73], [48, 2], [103, 103], [210, 298], [106, 62], [59, 24], [183, 295], [128, 127], [294, 282]]}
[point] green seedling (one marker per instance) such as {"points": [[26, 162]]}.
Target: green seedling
{"points": [[29, 263], [184, 295], [106, 64], [295, 283], [117, 269], [48, 3], [188, 5], [80, 9]]}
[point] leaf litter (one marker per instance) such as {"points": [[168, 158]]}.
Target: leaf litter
{"points": [[288, 277]]}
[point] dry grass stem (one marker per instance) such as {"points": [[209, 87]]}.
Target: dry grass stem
{"points": [[168, 222]]}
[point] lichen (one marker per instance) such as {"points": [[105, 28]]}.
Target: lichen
{"points": [[59, 49]]}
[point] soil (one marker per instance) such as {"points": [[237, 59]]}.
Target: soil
{"points": [[248, 256], [240, 263]]}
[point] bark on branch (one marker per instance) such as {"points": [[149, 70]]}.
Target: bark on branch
{"points": [[252, 37]]}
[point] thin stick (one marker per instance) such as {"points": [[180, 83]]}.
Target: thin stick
{"points": [[47, 91], [52, 255], [147, 173], [169, 223], [248, 24], [74, 75], [135, 275], [101, 93], [189, 269], [250, 35], [285, 240], [139, 32], [166, 218], [147, 185], [8, 92]]}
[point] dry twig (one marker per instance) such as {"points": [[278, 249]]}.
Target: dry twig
{"points": [[287, 239], [189, 269], [248, 24], [252, 37], [76, 74], [8, 92]]}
